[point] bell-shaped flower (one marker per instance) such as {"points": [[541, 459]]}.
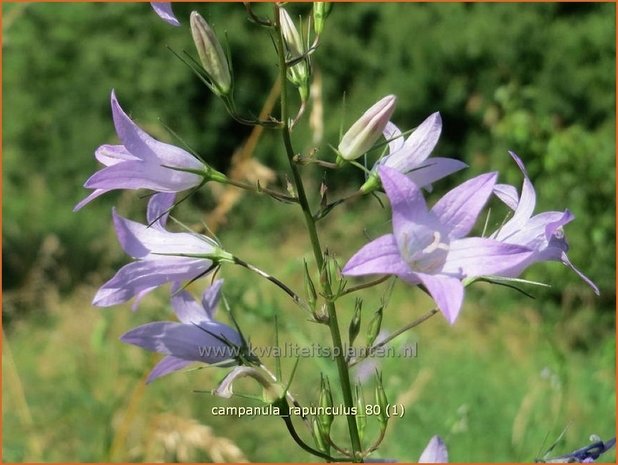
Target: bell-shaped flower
{"points": [[271, 390], [160, 256], [542, 233], [410, 156], [435, 452], [197, 337], [429, 247], [364, 133], [164, 10], [142, 162]]}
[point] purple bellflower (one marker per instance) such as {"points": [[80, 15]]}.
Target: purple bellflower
{"points": [[410, 156], [196, 338], [435, 452], [164, 10], [160, 256], [542, 233], [142, 162], [429, 247]]}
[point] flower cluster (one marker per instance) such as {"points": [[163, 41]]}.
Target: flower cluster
{"points": [[434, 247]]}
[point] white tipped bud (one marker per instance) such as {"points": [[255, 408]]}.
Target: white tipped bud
{"points": [[367, 129], [211, 54]]}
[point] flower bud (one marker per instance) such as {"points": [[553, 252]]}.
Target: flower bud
{"points": [[318, 435], [361, 415], [321, 10], [211, 55], [326, 404], [367, 129], [310, 291], [374, 327], [381, 402], [355, 323], [271, 391], [298, 73]]}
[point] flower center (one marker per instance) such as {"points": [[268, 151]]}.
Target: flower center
{"points": [[424, 249]]}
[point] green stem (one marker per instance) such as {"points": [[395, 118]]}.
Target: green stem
{"points": [[342, 368]]}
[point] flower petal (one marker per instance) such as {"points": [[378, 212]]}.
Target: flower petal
{"points": [[187, 309], [447, 292], [508, 195], [407, 202], [477, 256], [133, 278], [159, 206], [394, 137], [188, 342], [142, 175], [435, 452], [586, 279], [459, 208], [526, 203], [380, 256], [423, 140], [164, 10], [111, 154], [167, 365], [93, 195], [433, 169], [211, 297]]}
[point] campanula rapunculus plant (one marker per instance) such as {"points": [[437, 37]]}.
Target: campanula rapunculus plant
{"points": [[433, 248], [164, 10], [410, 156], [160, 256], [430, 247], [142, 162], [197, 337]]}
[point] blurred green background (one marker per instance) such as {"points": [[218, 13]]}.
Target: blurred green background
{"points": [[538, 79]]}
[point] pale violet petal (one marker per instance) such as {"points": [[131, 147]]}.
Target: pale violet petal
{"points": [[111, 154], [433, 169], [394, 137], [141, 175], [187, 309], [167, 365], [459, 208], [526, 203], [447, 292], [477, 256], [164, 10], [93, 195], [422, 141], [380, 256], [159, 206], [508, 194], [406, 198], [435, 452], [211, 297], [137, 276]]}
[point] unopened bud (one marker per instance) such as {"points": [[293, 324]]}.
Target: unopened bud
{"points": [[374, 327], [355, 323], [381, 401], [361, 416], [318, 435], [366, 130], [298, 73], [326, 404], [310, 291], [321, 10], [211, 54]]}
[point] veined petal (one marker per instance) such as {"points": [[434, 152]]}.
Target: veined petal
{"points": [[211, 297], [140, 241], [447, 292], [143, 146], [394, 137], [111, 154], [435, 452], [407, 202], [158, 209], [526, 203], [508, 195], [422, 141], [133, 278], [477, 256], [167, 365], [534, 234], [142, 175], [433, 169], [380, 256], [187, 309], [93, 195], [164, 10], [460, 207], [188, 342]]}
